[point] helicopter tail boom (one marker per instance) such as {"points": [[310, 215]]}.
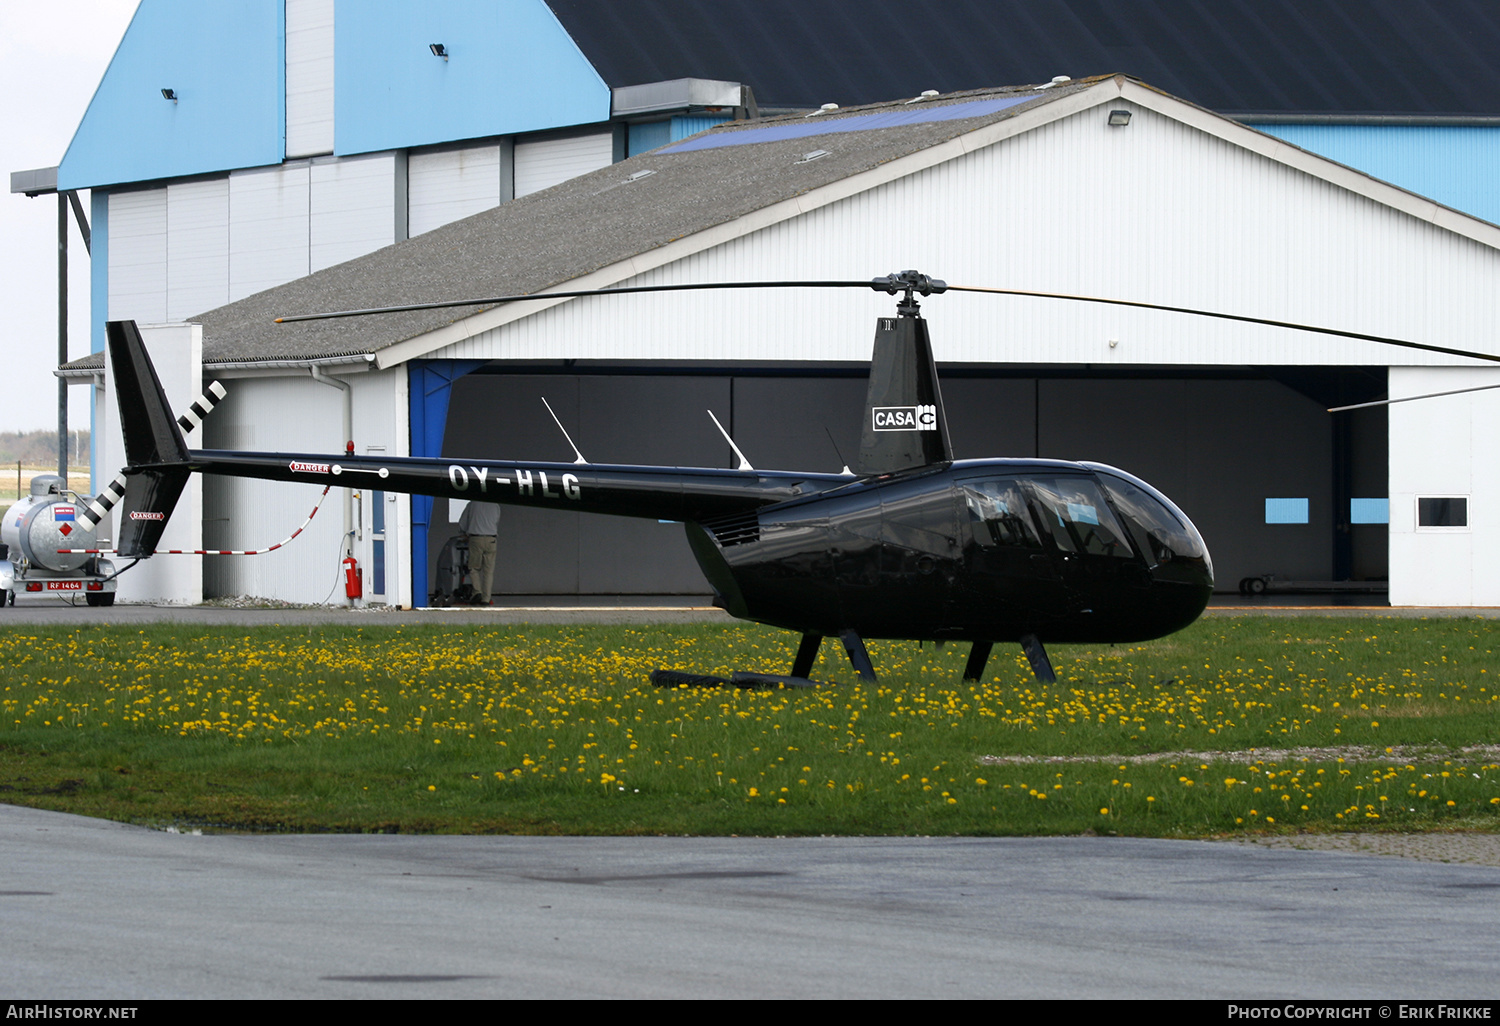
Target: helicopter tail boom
{"points": [[159, 465], [659, 493]]}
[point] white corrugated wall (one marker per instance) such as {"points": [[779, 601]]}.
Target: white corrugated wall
{"points": [[298, 414], [544, 161], [446, 185], [188, 247], [1441, 447], [1156, 211], [138, 256], [353, 208], [268, 227], [309, 77], [197, 247]]}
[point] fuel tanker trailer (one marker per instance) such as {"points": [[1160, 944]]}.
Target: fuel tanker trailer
{"points": [[31, 535]]}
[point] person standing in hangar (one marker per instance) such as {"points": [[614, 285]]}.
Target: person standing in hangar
{"points": [[479, 523]]}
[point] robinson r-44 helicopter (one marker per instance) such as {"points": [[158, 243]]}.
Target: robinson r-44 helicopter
{"points": [[909, 544]]}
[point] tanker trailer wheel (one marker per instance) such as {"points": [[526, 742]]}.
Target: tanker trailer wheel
{"points": [[5, 599], [100, 598]]}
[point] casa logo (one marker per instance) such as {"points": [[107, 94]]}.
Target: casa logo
{"points": [[905, 418], [299, 467], [141, 514]]}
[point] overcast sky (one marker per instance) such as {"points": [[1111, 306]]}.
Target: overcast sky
{"points": [[52, 56]]}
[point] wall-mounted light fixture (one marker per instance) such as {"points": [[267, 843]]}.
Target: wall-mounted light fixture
{"points": [[169, 94], [438, 50], [1119, 118]]}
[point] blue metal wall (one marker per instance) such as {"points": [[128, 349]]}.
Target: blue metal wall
{"points": [[1458, 167], [511, 68], [226, 63], [431, 385], [651, 134]]}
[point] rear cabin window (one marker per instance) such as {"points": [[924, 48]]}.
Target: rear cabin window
{"points": [[998, 514]]}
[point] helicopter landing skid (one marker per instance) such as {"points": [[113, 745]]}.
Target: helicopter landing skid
{"points": [[747, 681]]}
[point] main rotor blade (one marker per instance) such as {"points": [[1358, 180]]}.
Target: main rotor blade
{"points": [[1410, 398], [1235, 317], [496, 300], [881, 285]]}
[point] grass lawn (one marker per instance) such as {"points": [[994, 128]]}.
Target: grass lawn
{"points": [[1252, 723]]}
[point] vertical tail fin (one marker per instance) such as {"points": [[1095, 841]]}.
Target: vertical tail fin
{"points": [[905, 425], [150, 431], [156, 456]]}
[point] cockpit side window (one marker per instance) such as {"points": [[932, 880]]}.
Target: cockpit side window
{"points": [[1080, 520], [998, 514]]}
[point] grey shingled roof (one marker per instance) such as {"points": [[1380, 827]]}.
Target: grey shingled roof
{"points": [[556, 235]]}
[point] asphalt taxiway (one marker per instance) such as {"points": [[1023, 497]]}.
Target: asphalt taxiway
{"points": [[93, 909]]}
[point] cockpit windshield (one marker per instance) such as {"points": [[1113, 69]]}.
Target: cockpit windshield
{"points": [[1159, 529]]}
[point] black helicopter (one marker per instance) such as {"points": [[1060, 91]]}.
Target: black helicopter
{"points": [[910, 544]]}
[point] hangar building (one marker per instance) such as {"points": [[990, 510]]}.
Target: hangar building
{"points": [[1032, 187], [318, 144]]}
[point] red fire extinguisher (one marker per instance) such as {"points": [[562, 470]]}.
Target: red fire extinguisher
{"points": [[354, 578]]}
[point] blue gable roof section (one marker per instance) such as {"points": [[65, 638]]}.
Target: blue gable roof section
{"points": [[225, 63], [1414, 57], [511, 68]]}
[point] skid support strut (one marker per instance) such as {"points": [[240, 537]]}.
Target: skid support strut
{"points": [[1040, 664], [807, 654], [978, 656], [855, 646]]}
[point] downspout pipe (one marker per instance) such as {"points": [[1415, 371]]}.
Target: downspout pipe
{"points": [[324, 379]]}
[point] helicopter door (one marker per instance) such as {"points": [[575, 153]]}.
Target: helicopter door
{"points": [[920, 554], [1010, 578], [1093, 554]]}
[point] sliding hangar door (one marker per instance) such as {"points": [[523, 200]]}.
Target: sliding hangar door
{"points": [[1250, 454]]}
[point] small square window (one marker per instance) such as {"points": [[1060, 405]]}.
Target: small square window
{"points": [[1286, 511], [1442, 511], [1369, 511]]}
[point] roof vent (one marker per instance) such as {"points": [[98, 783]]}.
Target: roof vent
{"points": [[1056, 80], [809, 157], [926, 94], [824, 109], [638, 175]]}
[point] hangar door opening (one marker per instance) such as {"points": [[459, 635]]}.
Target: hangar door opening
{"points": [[1220, 441]]}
